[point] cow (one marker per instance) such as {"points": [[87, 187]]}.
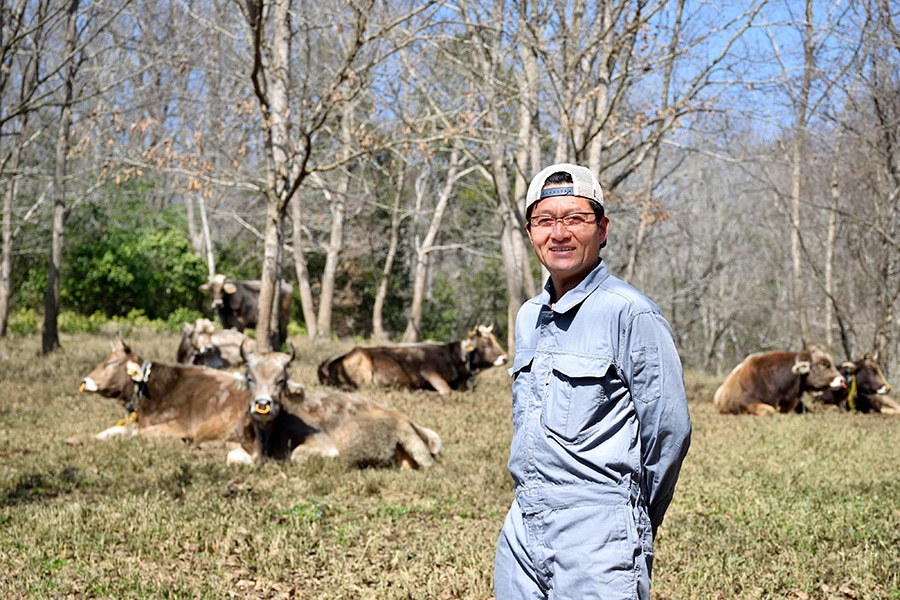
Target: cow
{"points": [[775, 381], [237, 304], [420, 366], [284, 422], [203, 344], [866, 387], [188, 402]]}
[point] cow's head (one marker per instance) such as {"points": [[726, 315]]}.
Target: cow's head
{"points": [[868, 375], [817, 367], [201, 336], [482, 349], [218, 287], [116, 376], [266, 377]]}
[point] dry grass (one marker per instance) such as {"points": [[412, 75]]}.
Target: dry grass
{"points": [[787, 507]]}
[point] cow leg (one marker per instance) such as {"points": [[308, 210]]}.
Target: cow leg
{"points": [[117, 431], [760, 409], [317, 444], [437, 382], [165, 430], [412, 450], [887, 405], [238, 456], [404, 460]]}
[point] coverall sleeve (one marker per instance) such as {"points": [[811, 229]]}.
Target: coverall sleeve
{"points": [[654, 373]]}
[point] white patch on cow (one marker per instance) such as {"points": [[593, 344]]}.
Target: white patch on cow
{"points": [[500, 361], [89, 385], [239, 456], [241, 381], [837, 383]]}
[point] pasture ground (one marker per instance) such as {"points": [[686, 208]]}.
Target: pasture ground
{"points": [[793, 506]]}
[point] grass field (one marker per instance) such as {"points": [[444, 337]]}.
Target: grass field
{"points": [[795, 506]]}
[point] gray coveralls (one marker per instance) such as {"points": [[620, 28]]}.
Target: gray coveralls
{"points": [[600, 429]]}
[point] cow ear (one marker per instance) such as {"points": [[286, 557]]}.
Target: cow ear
{"points": [[134, 370], [468, 346], [849, 366], [230, 288], [204, 287], [295, 389], [801, 367]]}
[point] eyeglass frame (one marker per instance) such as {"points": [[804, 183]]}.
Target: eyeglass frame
{"points": [[598, 209]]}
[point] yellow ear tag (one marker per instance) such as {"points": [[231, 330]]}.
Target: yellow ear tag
{"points": [[134, 370]]}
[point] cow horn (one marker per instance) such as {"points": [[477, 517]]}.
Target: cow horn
{"points": [[849, 366], [244, 352]]}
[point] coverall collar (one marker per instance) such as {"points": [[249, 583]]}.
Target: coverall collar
{"points": [[576, 295]]}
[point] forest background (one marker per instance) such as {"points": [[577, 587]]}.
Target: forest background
{"points": [[375, 155]]}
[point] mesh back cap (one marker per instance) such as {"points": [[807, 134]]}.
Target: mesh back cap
{"points": [[584, 184]]}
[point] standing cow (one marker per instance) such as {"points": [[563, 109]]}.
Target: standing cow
{"points": [[203, 344], [283, 422], [162, 400], [237, 304], [422, 366], [775, 381], [866, 389]]}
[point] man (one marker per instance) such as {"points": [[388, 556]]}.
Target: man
{"points": [[600, 418]]}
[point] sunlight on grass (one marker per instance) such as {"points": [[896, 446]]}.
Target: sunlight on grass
{"points": [[793, 506]]}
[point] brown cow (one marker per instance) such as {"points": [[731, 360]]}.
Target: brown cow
{"points": [[283, 422], [187, 402], [866, 389], [237, 304], [423, 366], [775, 381], [203, 344]]}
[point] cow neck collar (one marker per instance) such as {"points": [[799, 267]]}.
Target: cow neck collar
{"points": [[140, 388]]}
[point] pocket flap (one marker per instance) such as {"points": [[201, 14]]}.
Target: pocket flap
{"points": [[582, 366]]}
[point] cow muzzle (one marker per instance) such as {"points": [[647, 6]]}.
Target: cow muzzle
{"points": [[501, 360], [838, 383], [88, 385], [263, 409]]}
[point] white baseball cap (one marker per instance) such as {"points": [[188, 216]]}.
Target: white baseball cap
{"points": [[584, 184]]}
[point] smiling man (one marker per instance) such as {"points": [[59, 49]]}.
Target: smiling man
{"points": [[600, 419]]}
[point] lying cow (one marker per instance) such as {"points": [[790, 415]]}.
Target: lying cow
{"points": [[237, 304], [425, 366], [162, 400], [866, 387], [775, 381], [203, 344], [283, 422]]}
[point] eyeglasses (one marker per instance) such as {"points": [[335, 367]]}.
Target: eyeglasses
{"points": [[569, 221]]}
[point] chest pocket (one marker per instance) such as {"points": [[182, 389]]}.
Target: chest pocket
{"points": [[523, 385], [577, 396]]}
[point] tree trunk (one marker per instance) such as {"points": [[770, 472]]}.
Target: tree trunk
{"points": [[378, 334], [49, 329], [414, 324], [797, 167], [307, 304]]}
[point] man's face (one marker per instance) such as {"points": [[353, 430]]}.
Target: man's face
{"points": [[568, 253]]}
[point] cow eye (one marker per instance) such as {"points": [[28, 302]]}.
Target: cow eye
{"points": [[281, 382]]}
